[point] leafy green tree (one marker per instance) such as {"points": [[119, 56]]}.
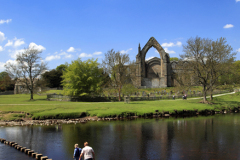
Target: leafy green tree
{"points": [[62, 67], [236, 68], [82, 78], [53, 78], [234, 75], [6, 83], [129, 89], [173, 59]]}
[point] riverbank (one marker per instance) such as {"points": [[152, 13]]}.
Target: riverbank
{"points": [[17, 108]]}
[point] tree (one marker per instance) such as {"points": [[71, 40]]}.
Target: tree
{"points": [[27, 69], [220, 61], [129, 89], [233, 77], [82, 78], [236, 68], [6, 83], [53, 78], [62, 67], [119, 68], [173, 59], [207, 61]]}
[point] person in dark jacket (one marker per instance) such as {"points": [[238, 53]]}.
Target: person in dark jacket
{"points": [[77, 152]]}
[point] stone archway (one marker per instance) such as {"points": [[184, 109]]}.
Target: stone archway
{"points": [[164, 77]]}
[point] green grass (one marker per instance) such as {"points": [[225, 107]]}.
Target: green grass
{"points": [[40, 108]]}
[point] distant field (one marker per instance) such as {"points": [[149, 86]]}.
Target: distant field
{"points": [[40, 108]]}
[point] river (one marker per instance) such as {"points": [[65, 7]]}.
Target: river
{"points": [[210, 137]]}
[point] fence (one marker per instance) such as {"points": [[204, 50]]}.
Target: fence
{"points": [[7, 93]]}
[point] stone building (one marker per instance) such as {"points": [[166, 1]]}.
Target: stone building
{"points": [[21, 87], [156, 72]]}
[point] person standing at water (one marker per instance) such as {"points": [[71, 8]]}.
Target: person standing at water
{"points": [[87, 152], [77, 152]]}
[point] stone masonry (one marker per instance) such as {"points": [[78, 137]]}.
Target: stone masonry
{"points": [[154, 73]]}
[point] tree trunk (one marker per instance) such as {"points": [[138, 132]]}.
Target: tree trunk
{"points": [[211, 95], [31, 95], [204, 94], [119, 93]]}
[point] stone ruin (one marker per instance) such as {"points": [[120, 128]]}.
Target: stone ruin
{"points": [[156, 72]]}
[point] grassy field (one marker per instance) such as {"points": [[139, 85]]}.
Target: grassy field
{"points": [[18, 106]]}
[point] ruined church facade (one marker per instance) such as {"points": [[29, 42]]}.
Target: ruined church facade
{"points": [[156, 72]]}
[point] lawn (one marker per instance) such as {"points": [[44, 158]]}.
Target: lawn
{"points": [[19, 106]]}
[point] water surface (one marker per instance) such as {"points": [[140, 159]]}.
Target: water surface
{"points": [[212, 137]]}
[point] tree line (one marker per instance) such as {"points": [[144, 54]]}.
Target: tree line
{"points": [[204, 62]]}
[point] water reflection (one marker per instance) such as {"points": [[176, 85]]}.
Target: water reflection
{"points": [[213, 137]]}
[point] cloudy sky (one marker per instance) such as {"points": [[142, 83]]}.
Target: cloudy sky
{"points": [[66, 30]]}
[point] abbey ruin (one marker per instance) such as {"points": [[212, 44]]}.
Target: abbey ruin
{"points": [[156, 72]]}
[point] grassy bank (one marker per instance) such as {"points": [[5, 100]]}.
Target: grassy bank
{"points": [[14, 107]]}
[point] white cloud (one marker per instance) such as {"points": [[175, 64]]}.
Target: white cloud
{"points": [[228, 26], [149, 58], [125, 52], [2, 36], [179, 43], [33, 45], [2, 66], [237, 0], [170, 44], [97, 53], [13, 54], [238, 50], [5, 21], [50, 58], [84, 55], [9, 43], [168, 51], [1, 48], [11, 61], [71, 49], [66, 55], [18, 42]]}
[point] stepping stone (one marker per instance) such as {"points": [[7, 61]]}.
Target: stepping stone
{"points": [[10, 143], [38, 156], [26, 150], [44, 158], [23, 149], [30, 152], [34, 154]]}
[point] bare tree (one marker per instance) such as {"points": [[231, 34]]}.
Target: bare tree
{"points": [[206, 60], [220, 61], [27, 68], [119, 68]]}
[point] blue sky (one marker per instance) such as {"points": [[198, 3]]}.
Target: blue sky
{"points": [[66, 30]]}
